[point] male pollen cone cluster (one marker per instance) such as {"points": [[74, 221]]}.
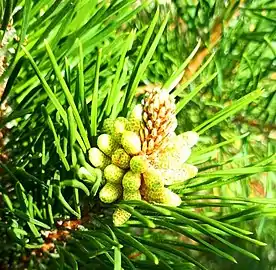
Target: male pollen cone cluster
{"points": [[141, 155]]}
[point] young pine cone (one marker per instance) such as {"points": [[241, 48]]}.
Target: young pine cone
{"points": [[135, 119], [139, 164], [120, 216], [121, 159], [98, 159], [113, 174], [110, 193], [131, 142], [159, 120], [131, 181], [107, 144]]}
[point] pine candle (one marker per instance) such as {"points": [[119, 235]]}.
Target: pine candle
{"points": [[141, 155]]}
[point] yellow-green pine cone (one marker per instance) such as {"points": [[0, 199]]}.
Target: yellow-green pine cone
{"points": [[135, 119], [153, 179], [113, 174], [139, 164], [131, 195], [120, 216], [107, 144], [98, 159], [157, 196], [171, 198], [131, 142], [108, 126], [131, 181], [119, 127], [121, 159], [110, 193], [134, 125]]}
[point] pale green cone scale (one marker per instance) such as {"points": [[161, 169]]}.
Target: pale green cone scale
{"points": [[157, 196], [113, 174], [110, 193], [120, 216], [153, 179], [139, 164], [121, 159], [131, 181], [135, 119], [120, 125], [108, 126], [131, 195], [131, 142]]}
